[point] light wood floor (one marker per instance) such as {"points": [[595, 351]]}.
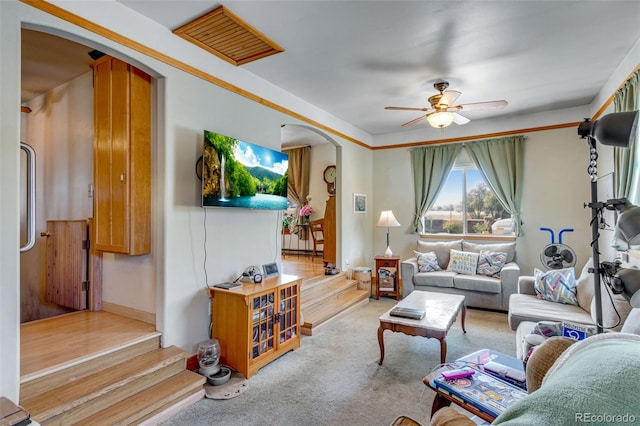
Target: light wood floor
{"points": [[54, 343], [302, 265], [58, 342]]}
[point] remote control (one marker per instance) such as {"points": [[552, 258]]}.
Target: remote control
{"points": [[457, 374], [505, 371]]}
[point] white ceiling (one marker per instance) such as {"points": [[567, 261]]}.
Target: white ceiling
{"points": [[353, 58]]}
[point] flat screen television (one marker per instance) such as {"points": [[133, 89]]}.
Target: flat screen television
{"points": [[240, 174]]}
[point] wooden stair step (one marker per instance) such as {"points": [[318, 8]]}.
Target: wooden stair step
{"points": [[162, 415], [318, 294], [82, 398], [146, 403], [32, 387], [330, 308], [318, 311], [320, 280]]}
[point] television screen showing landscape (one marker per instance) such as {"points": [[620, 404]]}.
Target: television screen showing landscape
{"points": [[240, 174]]}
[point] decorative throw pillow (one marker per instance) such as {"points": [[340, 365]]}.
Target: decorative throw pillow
{"points": [[427, 262], [463, 262], [556, 285], [509, 248], [440, 248], [584, 287], [491, 262], [548, 328], [577, 331]]}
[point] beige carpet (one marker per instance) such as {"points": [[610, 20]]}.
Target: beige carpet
{"points": [[334, 377]]}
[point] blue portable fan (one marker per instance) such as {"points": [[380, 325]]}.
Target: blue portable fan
{"points": [[557, 255]]}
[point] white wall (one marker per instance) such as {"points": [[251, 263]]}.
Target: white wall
{"points": [[556, 186], [354, 164], [235, 238], [322, 155], [60, 130], [394, 190]]}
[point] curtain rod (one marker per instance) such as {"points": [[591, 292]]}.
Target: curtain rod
{"points": [[295, 147]]}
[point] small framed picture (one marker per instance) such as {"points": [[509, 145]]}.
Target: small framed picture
{"points": [[359, 203], [270, 269]]}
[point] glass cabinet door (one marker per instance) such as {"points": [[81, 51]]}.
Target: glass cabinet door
{"points": [[262, 325], [288, 313]]}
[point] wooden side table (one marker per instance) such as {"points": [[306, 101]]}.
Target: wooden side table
{"points": [[391, 263]]}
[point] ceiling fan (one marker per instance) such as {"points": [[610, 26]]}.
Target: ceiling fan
{"points": [[442, 112]]}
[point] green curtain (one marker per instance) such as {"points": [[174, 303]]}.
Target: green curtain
{"points": [[431, 166], [625, 159], [501, 163]]}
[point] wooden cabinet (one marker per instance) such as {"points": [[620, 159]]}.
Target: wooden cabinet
{"points": [[256, 323], [122, 157], [329, 232], [388, 280]]}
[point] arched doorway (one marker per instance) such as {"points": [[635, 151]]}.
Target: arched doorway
{"points": [[324, 152]]}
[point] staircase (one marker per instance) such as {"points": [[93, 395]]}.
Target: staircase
{"points": [[138, 383], [326, 298]]}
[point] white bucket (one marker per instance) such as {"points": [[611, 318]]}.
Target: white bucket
{"points": [[363, 276]]}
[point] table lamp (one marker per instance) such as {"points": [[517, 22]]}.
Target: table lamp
{"points": [[387, 220]]}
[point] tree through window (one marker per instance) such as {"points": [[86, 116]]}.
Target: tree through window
{"points": [[467, 204]]}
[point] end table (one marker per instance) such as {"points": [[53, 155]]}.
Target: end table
{"points": [[393, 265]]}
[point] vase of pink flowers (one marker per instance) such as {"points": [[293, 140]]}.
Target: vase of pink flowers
{"points": [[305, 212]]}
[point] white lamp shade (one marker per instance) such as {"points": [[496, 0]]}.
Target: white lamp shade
{"points": [[440, 119], [387, 220]]}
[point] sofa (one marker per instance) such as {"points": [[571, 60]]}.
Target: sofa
{"points": [[561, 393], [489, 291], [527, 309]]}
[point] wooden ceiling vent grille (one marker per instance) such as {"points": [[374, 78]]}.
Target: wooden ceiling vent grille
{"points": [[228, 37]]}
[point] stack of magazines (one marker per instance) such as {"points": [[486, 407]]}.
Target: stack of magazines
{"points": [[485, 392]]}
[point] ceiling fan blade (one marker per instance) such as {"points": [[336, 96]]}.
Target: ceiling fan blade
{"points": [[459, 119], [483, 105], [409, 123], [449, 97], [406, 109]]}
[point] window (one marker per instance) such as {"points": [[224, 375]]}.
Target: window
{"points": [[467, 204]]}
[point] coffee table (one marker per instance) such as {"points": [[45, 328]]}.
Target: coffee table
{"points": [[441, 311], [482, 395]]}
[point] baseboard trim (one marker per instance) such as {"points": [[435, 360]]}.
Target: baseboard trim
{"points": [[128, 312]]}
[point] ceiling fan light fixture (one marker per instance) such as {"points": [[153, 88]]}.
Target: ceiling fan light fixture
{"points": [[440, 120]]}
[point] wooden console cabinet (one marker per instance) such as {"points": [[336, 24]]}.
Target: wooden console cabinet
{"points": [[122, 157], [256, 323]]}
